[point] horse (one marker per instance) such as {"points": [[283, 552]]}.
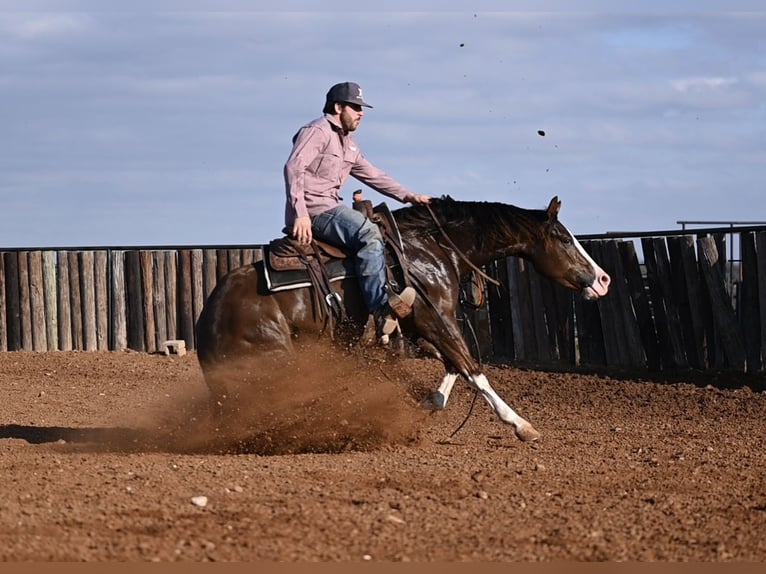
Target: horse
{"points": [[442, 243]]}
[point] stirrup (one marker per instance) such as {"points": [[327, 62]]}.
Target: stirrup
{"points": [[401, 303], [379, 329], [389, 325]]}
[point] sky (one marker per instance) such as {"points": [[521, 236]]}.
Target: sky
{"points": [[169, 123]]}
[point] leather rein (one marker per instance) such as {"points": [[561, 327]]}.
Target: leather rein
{"points": [[457, 249]]}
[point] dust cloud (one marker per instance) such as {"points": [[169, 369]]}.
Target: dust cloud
{"points": [[321, 400]]}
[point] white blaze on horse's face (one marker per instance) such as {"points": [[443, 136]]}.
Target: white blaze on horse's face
{"points": [[600, 285], [566, 261]]}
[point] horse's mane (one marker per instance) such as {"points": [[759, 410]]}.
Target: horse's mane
{"points": [[452, 214]]}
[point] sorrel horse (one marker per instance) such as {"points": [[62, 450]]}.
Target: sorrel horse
{"points": [[442, 242]]}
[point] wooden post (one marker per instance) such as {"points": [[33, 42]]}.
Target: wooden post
{"points": [[537, 315], [478, 312], [235, 258], [37, 301], [686, 284], [559, 315], [3, 303], [719, 359], [526, 310], [101, 280], [171, 293], [64, 302], [24, 301], [248, 256], [160, 299], [760, 246], [749, 321], [198, 290], [665, 310], [76, 300], [499, 310], [88, 300], [514, 305], [611, 320], [641, 304], [13, 300], [49, 295], [617, 302], [209, 278], [134, 301], [723, 313], [119, 311], [222, 262], [185, 304], [590, 334], [147, 301]]}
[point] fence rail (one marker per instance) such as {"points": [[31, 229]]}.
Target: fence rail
{"points": [[681, 307]]}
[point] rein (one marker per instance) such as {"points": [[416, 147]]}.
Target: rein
{"points": [[457, 249], [482, 275]]}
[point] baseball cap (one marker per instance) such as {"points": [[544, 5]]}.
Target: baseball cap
{"points": [[348, 92]]}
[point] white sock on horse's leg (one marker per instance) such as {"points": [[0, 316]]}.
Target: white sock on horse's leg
{"points": [[524, 430], [440, 397]]}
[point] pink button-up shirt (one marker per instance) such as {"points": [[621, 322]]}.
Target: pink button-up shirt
{"points": [[322, 158]]}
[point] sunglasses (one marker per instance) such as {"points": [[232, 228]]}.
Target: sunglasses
{"points": [[355, 107]]}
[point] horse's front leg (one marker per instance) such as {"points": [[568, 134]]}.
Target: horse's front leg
{"points": [[523, 429], [458, 360]]}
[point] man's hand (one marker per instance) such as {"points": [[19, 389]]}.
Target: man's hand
{"points": [[302, 230], [416, 198]]}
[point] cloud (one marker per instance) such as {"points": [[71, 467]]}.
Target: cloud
{"points": [[126, 117], [697, 85], [31, 27]]}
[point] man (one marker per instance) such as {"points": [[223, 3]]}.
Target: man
{"points": [[324, 154]]}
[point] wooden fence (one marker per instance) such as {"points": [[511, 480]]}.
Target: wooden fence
{"points": [[681, 307], [108, 299], [685, 306]]}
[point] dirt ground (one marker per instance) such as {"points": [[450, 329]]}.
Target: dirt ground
{"points": [[114, 457]]}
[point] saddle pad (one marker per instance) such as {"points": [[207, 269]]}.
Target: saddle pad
{"points": [[278, 280]]}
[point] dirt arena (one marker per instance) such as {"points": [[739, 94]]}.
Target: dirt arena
{"points": [[112, 456]]}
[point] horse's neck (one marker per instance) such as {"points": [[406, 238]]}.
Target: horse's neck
{"points": [[484, 243]]}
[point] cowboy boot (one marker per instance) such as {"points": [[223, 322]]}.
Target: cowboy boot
{"points": [[401, 303]]}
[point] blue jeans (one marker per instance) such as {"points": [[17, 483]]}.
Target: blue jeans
{"points": [[346, 227]]}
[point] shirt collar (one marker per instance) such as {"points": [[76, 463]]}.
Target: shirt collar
{"points": [[335, 125]]}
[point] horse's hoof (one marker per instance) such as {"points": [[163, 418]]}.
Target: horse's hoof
{"points": [[433, 402], [527, 433]]}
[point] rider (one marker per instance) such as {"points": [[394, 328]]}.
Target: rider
{"points": [[323, 156]]}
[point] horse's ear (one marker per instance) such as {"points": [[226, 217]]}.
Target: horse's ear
{"points": [[553, 208]]}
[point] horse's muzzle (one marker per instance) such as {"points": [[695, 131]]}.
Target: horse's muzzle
{"points": [[599, 287]]}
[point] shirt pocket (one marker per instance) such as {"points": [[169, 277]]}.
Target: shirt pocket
{"points": [[350, 158], [329, 167]]}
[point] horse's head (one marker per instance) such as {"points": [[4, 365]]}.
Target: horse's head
{"points": [[560, 257]]}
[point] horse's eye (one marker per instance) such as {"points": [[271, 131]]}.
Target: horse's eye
{"points": [[565, 238]]}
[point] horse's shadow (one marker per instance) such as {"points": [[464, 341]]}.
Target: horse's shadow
{"points": [[114, 438]]}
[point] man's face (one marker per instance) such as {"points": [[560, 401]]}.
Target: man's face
{"points": [[350, 116]]}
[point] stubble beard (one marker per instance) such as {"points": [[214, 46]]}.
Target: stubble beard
{"points": [[349, 124]]}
